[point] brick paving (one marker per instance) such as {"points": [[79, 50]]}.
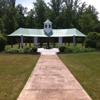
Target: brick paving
{"points": [[51, 80]]}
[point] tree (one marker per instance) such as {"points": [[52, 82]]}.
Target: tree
{"points": [[40, 9], [11, 3], [88, 20], [3, 42], [62, 13], [2, 7], [56, 9], [30, 23], [9, 20], [20, 12], [56, 5], [72, 9], [2, 27], [87, 23]]}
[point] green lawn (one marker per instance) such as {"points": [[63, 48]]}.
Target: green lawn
{"points": [[86, 68], [15, 69]]}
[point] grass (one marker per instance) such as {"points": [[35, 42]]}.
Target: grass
{"points": [[15, 69], [86, 68]]}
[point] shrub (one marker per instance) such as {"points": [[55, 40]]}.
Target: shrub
{"points": [[62, 48], [27, 50], [22, 50], [3, 43], [72, 50], [82, 49], [7, 48], [13, 50], [78, 49], [98, 45], [91, 40], [89, 49], [34, 49], [68, 50]]}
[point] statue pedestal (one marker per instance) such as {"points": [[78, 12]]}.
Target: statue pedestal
{"points": [[48, 47]]}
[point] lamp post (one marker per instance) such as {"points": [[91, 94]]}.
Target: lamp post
{"points": [[48, 31], [48, 43]]}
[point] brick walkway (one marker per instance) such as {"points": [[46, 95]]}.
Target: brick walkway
{"points": [[51, 80]]}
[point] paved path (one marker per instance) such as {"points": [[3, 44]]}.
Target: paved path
{"points": [[51, 80]]}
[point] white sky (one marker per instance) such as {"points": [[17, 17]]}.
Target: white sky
{"points": [[29, 3]]}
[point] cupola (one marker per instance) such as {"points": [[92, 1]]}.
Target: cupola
{"points": [[47, 26]]}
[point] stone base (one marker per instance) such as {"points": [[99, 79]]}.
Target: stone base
{"points": [[48, 47]]}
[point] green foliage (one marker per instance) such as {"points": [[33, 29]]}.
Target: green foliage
{"points": [[12, 50], [63, 14], [7, 48], [62, 48], [40, 9], [2, 27], [75, 49], [34, 49], [87, 23], [98, 42], [10, 21], [92, 40], [68, 50], [3, 43], [26, 50], [20, 18], [78, 49]]}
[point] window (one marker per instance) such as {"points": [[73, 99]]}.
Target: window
{"points": [[45, 26], [49, 26]]}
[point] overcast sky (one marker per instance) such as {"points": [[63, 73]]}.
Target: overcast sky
{"points": [[29, 3]]}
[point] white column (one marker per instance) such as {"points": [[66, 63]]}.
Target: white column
{"points": [[60, 41], [35, 41], [21, 41], [74, 40]]}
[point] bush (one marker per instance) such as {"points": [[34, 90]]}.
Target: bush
{"points": [[73, 49], [13, 50], [91, 40], [98, 45], [34, 49], [22, 50], [69, 50], [62, 48], [27, 50], [7, 48], [78, 49], [3, 43]]}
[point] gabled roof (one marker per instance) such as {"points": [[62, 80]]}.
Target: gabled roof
{"points": [[40, 33]]}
